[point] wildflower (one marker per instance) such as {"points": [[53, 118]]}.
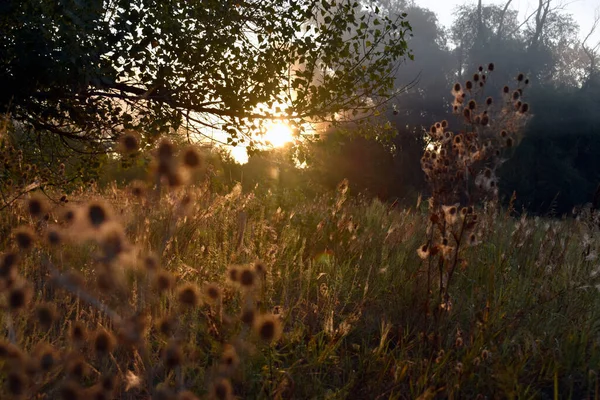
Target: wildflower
{"points": [[268, 327]]}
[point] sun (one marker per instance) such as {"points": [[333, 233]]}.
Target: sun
{"points": [[278, 134]]}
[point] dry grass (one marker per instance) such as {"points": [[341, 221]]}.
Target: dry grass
{"points": [[168, 291]]}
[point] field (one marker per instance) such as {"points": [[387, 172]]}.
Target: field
{"points": [[147, 291]]}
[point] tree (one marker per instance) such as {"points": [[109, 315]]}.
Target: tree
{"points": [[86, 71]]}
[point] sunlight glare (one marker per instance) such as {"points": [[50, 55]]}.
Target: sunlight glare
{"points": [[279, 134]]}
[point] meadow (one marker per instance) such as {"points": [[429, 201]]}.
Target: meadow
{"points": [[167, 290]]}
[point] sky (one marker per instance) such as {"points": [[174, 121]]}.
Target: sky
{"points": [[582, 11]]}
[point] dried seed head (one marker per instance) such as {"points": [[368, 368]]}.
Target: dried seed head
{"points": [[8, 265], [423, 251], [78, 332], [212, 292], [229, 358], [520, 77], [165, 150], [166, 326], [457, 87], [489, 101], [151, 262], [138, 189], [248, 316], [70, 390], [76, 366], [233, 274], [524, 108], [104, 342], [108, 383], [97, 214], [37, 206], [187, 395], [472, 104], [45, 315], [268, 327], [221, 390], [247, 277], [485, 354], [260, 268], [18, 297], [25, 237], [163, 281], [53, 236], [191, 157], [129, 142], [188, 295], [172, 355], [490, 66], [16, 382], [505, 89], [469, 85]]}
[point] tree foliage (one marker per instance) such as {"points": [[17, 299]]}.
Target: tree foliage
{"points": [[86, 70]]}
